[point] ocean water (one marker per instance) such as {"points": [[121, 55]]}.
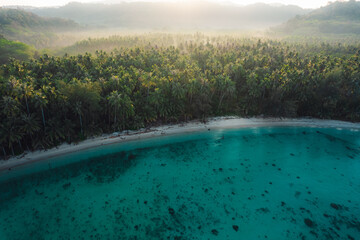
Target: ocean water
{"points": [[257, 183]]}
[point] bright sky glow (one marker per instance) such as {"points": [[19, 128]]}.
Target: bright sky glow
{"points": [[44, 3]]}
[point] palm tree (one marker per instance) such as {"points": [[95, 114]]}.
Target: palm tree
{"points": [[77, 109], [54, 132], [225, 88], [190, 92], [41, 102], [162, 105], [69, 129], [2, 140], [30, 124], [10, 134], [122, 105], [10, 106], [115, 101], [126, 109], [27, 91]]}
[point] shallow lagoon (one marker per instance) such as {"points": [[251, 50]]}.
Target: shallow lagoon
{"points": [[258, 183]]}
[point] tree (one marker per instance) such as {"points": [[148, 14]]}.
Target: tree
{"points": [[74, 97], [27, 92], [224, 88], [77, 109], [41, 102], [10, 133], [122, 105], [30, 124], [10, 106], [82, 98]]}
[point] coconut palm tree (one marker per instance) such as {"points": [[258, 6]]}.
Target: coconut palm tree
{"points": [[127, 109], [10, 134], [115, 101], [122, 105], [30, 124], [225, 88], [2, 140], [41, 102], [27, 92], [10, 106], [78, 110], [69, 130], [54, 132]]}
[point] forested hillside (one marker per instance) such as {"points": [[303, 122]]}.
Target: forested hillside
{"points": [[17, 50], [335, 18], [31, 29], [191, 15], [54, 99]]}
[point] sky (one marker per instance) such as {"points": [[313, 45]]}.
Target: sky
{"points": [[44, 3]]}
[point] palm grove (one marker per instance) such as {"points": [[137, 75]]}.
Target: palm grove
{"points": [[47, 101]]}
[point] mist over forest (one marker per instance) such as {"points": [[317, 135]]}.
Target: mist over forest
{"points": [[88, 69], [179, 119], [194, 15], [53, 28]]}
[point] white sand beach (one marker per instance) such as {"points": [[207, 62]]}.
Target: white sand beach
{"points": [[166, 130]]}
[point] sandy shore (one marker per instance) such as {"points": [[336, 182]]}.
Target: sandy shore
{"points": [[193, 126]]}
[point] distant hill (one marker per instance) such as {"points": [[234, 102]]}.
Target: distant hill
{"points": [[198, 15], [11, 49], [335, 18], [31, 29]]}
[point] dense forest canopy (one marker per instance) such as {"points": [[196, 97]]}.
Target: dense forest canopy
{"points": [[131, 81], [54, 99]]}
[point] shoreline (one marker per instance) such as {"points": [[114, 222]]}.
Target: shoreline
{"points": [[168, 130]]}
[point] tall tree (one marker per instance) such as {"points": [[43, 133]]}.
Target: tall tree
{"points": [[41, 102]]}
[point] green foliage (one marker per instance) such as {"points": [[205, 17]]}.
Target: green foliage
{"points": [[47, 101], [337, 18], [11, 49], [31, 29]]}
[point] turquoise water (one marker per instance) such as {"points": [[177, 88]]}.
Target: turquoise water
{"points": [[260, 183]]}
